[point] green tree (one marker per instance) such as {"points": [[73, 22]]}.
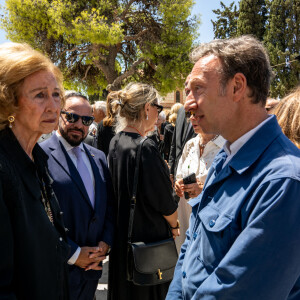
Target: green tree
{"points": [[252, 18], [107, 42], [282, 40], [226, 24]]}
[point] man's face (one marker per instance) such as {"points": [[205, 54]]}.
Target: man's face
{"points": [[75, 133], [212, 106]]}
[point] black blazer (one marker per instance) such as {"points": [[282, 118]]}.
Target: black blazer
{"points": [[182, 133], [33, 252], [87, 226]]}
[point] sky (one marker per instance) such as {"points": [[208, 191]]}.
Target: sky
{"points": [[202, 7]]}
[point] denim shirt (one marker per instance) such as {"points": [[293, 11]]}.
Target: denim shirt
{"points": [[244, 236]]}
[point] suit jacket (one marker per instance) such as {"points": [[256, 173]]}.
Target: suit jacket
{"points": [[91, 140], [33, 252], [87, 226], [182, 133]]}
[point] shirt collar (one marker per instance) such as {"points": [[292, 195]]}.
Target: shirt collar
{"points": [[249, 152], [232, 149], [66, 145]]}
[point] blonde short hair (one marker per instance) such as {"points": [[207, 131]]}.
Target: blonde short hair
{"points": [[130, 101], [288, 116], [18, 61]]}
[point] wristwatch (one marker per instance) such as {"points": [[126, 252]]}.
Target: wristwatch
{"points": [[177, 225]]}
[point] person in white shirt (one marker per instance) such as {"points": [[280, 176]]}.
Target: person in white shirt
{"points": [[197, 157]]}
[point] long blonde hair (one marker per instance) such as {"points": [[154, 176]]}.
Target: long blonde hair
{"points": [[173, 113]]}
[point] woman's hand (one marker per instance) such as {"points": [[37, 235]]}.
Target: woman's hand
{"points": [[194, 189], [179, 187], [175, 233]]}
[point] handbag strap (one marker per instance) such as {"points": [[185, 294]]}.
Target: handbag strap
{"points": [[134, 189]]}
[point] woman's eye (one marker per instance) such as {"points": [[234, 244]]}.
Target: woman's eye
{"points": [[56, 95], [40, 95]]}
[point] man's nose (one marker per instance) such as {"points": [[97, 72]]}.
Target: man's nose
{"points": [[190, 103]]}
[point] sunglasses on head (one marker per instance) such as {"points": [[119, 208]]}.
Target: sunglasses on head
{"points": [[159, 107], [73, 118]]}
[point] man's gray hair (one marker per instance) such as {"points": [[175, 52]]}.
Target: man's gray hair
{"points": [[244, 55], [100, 105]]}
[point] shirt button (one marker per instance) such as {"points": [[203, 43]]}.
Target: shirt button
{"points": [[61, 239], [212, 223], [61, 213], [195, 235], [183, 274]]}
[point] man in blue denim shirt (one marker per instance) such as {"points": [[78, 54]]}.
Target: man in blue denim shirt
{"points": [[243, 242]]}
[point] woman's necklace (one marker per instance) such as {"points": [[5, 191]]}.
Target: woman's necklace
{"points": [[46, 203], [135, 129], [202, 146]]}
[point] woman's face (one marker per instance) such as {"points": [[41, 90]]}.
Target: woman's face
{"points": [[152, 113], [195, 123], [38, 104]]}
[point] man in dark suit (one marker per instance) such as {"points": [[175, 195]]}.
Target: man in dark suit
{"points": [[182, 133], [82, 185]]}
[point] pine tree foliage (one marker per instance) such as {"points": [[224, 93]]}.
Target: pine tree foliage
{"points": [[277, 24], [226, 24], [252, 18], [108, 42], [282, 39]]}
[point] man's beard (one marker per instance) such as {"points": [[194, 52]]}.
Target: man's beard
{"points": [[69, 138]]}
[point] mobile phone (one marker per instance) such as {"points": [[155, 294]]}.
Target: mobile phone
{"points": [[187, 180]]}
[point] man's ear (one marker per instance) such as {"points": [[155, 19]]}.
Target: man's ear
{"points": [[239, 86]]}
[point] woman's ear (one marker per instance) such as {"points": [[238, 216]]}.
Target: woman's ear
{"points": [[147, 106]]}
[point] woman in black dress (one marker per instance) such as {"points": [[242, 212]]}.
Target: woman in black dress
{"points": [[156, 210], [33, 251]]}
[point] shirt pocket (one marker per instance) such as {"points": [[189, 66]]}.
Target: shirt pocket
{"points": [[215, 237]]}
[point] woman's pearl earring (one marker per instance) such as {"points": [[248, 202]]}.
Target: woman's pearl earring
{"points": [[10, 119]]}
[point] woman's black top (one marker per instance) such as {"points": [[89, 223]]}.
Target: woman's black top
{"points": [[104, 136], [154, 199], [33, 251]]}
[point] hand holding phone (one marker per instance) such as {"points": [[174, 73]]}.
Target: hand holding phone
{"points": [[187, 180]]}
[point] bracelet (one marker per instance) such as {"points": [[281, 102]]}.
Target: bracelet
{"points": [[177, 225]]}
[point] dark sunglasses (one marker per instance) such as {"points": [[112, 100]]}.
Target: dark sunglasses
{"points": [[73, 118], [159, 107], [188, 114]]}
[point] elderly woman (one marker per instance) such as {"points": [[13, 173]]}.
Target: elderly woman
{"points": [[33, 243], [155, 212], [197, 157], [288, 116]]}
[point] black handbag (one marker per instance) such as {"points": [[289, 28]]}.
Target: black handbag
{"points": [[151, 263]]}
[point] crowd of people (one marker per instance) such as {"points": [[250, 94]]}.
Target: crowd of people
{"points": [[219, 176]]}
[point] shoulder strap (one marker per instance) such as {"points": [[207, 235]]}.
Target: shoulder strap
{"points": [[134, 190]]}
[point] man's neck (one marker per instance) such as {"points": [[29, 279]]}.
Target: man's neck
{"points": [[245, 123]]}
